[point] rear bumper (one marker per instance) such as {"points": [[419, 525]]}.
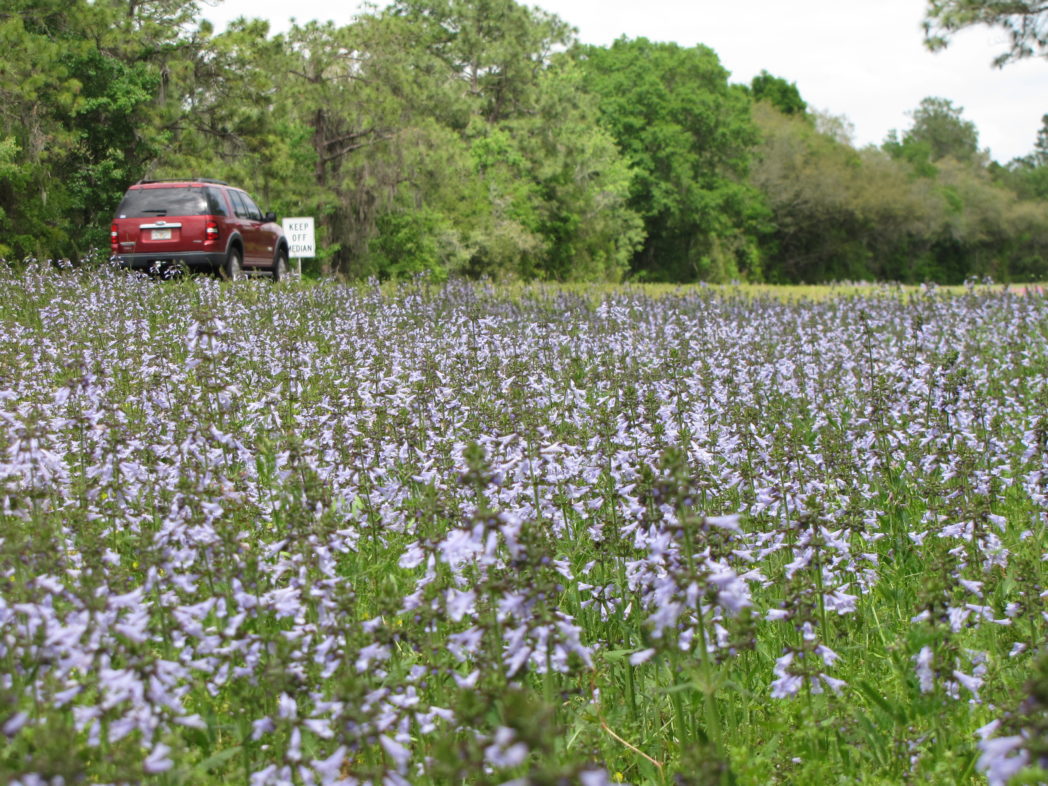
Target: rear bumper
{"points": [[194, 260]]}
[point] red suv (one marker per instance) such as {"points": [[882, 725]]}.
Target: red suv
{"points": [[197, 225]]}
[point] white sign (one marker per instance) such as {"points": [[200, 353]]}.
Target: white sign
{"points": [[301, 237]]}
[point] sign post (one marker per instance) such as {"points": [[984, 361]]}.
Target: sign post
{"points": [[301, 239]]}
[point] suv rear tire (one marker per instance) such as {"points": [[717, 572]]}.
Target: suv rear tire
{"points": [[280, 268], [233, 269]]}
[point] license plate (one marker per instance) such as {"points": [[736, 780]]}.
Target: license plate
{"points": [[161, 234]]}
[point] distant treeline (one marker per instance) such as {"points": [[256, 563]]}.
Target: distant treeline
{"points": [[479, 138]]}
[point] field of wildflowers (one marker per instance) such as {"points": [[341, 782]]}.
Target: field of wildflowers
{"points": [[328, 534]]}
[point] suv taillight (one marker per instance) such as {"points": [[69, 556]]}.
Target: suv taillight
{"points": [[113, 235], [211, 232]]}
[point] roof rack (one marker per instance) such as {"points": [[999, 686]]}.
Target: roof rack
{"points": [[184, 180]]}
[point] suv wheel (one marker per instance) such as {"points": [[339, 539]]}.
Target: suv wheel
{"points": [[233, 270], [280, 269]]}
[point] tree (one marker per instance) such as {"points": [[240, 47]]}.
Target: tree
{"points": [[1025, 21], [688, 135], [35, 84], [1028, 176], [495, 48], [581, 179], [1040, 146], [542, 189], [938, 131], [841, 213], [837, 213], [84, 88], [836, 127], [781, 94], [1037, 171], [326, 121]]}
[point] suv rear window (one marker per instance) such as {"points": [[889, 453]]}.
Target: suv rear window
{"points": [[147, 202]]}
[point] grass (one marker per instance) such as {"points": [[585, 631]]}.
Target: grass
{"points": [[316, 534]]}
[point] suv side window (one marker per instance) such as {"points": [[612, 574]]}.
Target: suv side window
{"points": [[238, 204], [216, 203], [252, 209]]}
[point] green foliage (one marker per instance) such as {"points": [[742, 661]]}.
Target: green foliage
{"points": [[83, 85], [1025, 22], [918, 154], [527, 183], [1024, 178], [466, 138], [839, 213], [583, 183], [781, 94], [1040, 147], [109, 149], [991, 220], [939, 131], [1028, 176], [504, 237], [688, 135], [406, 245], [493, 48]]}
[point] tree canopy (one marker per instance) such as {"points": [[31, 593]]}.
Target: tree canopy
{"points": [[783, 95], [688, 134], [938, 131], [479, 138]]}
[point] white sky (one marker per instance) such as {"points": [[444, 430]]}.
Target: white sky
{"points": [[864, 59]]}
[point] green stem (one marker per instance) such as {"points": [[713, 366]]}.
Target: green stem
{"points": [[709, 697]]}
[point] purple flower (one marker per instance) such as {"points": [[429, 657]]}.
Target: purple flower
{"points": [[157, 761]]}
